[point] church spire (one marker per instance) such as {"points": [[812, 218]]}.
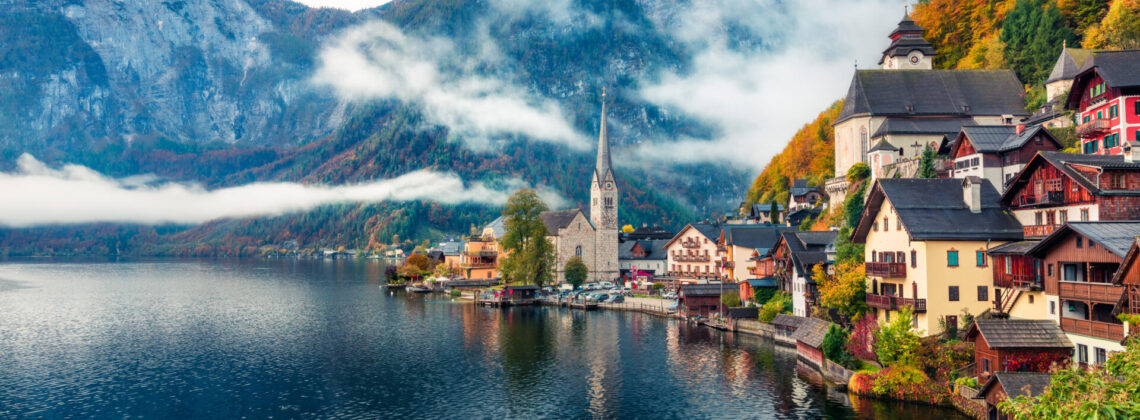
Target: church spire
{"points": [[603, 166]]}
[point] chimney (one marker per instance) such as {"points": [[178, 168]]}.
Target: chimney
{"points": [[972, 193], [1020, 128], [1129, 149]]}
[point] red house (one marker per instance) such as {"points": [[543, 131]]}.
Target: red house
{"points": [[1005, 385], [1106, 94], [1017, 345], [809, 340], [702, 299]]}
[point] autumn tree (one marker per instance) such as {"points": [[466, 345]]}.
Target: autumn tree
{"points": [[897, 341], [730, 300], [1120, 28], [576, 271], [845, 291], [530, 257], [419, 261], [627, 229]]}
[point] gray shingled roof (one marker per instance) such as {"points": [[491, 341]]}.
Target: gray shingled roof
{"points": [[450, 248], [933, 209], [785, 320], [754, 236], [1017, 384], [1002, 138], [811, 332], [707, 289], [1013, 248], [1118, 68], [654, 249], [948, 127], [1069, 64], [960, 93], [1116, 237], [498, 227], [1021, 334], [883, 145], [800, 187], [558, 219], [907, 37], [1064, 162], [711, 231], [817, 238]]}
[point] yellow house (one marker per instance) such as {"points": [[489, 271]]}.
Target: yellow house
{"points": [[481, 254], [926, 243]]}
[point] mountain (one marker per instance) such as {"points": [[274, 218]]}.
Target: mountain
{"points": [[222, 93]]}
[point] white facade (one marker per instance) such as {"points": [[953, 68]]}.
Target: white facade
{"points": [[692, 256]]}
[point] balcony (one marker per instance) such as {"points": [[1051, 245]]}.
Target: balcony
{"points": [[886, 270], [478, 265], [1096, 292], [1103, 330], [1048, 198], [1093, 128], [690, 244], [691, 258], [728, 264], [894, 303], [1026, 282], [1039, 231]]}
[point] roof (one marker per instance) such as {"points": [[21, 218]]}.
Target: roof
{"points": [[498, 227], [1066, 163], [811, 332], [603, 169], [558, 219], [650, 232], [934, 209], [764, 208], [1020, 334], [800, 187], [1017, 384], [960, 93], [715, 289], [817, 238], [764, 282], [654, 249], [798, 216], [754, 236], [1002, 138], [1118, 68], [529, 287], [1069, 64], [883, 145], [946, 127], [785, 320], [1116, 237], [905, 38], [1013, 248]]}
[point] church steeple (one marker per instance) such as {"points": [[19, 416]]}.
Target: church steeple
{"points": [[908, 49], [604, 165]]}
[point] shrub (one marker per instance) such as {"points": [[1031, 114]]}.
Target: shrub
{"points": [[862, 340], [834, 347], [939, 360], [780, 302], [455, 294], [897, 342], [730, 300]]}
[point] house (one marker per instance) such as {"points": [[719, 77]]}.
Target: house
{"points": [[1106, 96], [998, 152], [796, 218], [1005, 385], [1128, 276], [1052, 112], [1017, 345], [801, 196], [451, 248], [809, 340], [691, 254], [1019, 282], [737, 243], [786, 326], [1056, 187], [702, 299], [480, 257], [1081, 260], [572, 235], [521, 295], [795, 257], [917, 108], [643, 258], [760, 213], [926, 243], [748, 287]]}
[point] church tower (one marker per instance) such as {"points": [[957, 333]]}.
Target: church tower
{"points": [[604, 208], [908, 49]]}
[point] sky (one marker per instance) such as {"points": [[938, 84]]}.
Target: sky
{"points": [[350, 5]]}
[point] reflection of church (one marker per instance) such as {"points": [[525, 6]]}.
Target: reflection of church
{"points": [[595, 239], [893, 113]]}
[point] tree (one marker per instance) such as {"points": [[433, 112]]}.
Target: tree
{"points": [[926, 166], [853, 206], [442, 270], [409, 271], [835, 347], [861, 343], [730, 300], [530, 257], [1111, 392], [419, 261], [897, 341], [806, 224], [576, 271], [846, 291], [1033, 33], [1120, 28], [774, 213], [858, 172]]}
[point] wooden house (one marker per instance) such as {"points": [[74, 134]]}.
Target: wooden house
{"points": [[1005, 385], [998, 152], [809, 340], [702, 299], [1128, 276], [1017, 345], [786, 326]]}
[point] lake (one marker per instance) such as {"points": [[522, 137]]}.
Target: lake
{"points": [[323, 339]]}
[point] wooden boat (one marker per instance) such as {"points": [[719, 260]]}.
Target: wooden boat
{"points": [[418, 289]]}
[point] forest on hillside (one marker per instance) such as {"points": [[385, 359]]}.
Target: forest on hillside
{"points": [[1024, 35]]}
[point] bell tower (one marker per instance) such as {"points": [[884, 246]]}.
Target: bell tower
{"points": [[908, 49], [604, 207]]}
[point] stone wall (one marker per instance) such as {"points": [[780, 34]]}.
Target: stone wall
{"points": [[579, 233]]}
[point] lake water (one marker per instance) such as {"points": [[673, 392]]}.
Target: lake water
{"points": [[315, 339]]}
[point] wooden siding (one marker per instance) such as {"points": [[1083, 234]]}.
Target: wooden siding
{"points": [[1119, 207], [1066, 251], [1047, 186], [982, 351], [1026, 152]]}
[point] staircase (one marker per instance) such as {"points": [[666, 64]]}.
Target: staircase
{"points": [[1005, 301]]}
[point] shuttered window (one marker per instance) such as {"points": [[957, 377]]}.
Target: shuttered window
{"points": [[951, 258]]}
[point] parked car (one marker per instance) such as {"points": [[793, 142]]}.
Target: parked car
{"points": [[590, 286], [600, 297], [616, 299], [607, 285], [672, 306], [669, 295], [566, 287]]}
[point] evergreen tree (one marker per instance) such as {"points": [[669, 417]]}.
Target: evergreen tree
{"points": [[926, 166], [1034, 33], [530, 257], [774, 213]]}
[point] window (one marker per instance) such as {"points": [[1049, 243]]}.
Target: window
{"points": [[1100, 115], [1082, 353], [1091, 147], [913, 259], [914, 321], [1111, 140], [1064, 216], [1113, 111], [1008, 264], [1101, 355], [1080, 242], [1050, 269], [983, 293], [1037, 218], [1051, 217], [985, 365], [875, 226], [901, 256], [951, 258], [1136, 108], [1084, 215], [898, 224], [981, 257], [886, 224], [1085, 119], [953, 293], [1052, 308], [578, 250]]}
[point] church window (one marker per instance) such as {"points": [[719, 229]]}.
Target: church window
{"points": [[578, 250], [863, 144]]}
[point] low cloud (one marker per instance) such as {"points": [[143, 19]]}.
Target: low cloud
{"points": [[350, 5], [39, 195], [378, 61], [757, 96]]}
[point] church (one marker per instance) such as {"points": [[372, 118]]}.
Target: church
{"points": [[594, 239]]}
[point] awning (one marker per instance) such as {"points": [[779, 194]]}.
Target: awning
{"points": [[764, 282]]}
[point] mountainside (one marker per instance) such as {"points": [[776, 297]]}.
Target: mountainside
{"points": [[222, 93]]}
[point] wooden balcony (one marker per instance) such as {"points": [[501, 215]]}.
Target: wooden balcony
{"points": [[478, 265], [487, 253], [894, 303], [1026, 282], [1093, 128], [690, 244], [1096, 292], [1039, 231], [1051, 198], [691, 258], [886, 270], [1103, 330]]}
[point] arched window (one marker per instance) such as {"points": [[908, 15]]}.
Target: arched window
{"points": [[578, 250], [863, 144]]}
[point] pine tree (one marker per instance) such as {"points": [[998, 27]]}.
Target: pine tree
{"points": [[1034, 33], [926, 166], [774, 213]]}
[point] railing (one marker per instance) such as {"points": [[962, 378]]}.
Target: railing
{"points": [[1039, 230], [690, 244], [1100, 292], [1017, 281], [1093, 128], [477, 265], [1051, 197], [893, 303], [1093, 328], [728, 264], [887, 270], [691, 258]]}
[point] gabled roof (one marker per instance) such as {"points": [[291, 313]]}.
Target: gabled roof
{"points": [[883, 145], [450, 248], [1065, 162], [1129, 259], [1013, 248], [1069, 63], [654, 249], [1020, 334], [753, 236], [951, 93], [800, 187], [498, 227], [1016, 384], [785, 320], [817, 238], [694, 290], [1116, 237], [798, 216], [946, 127], [934, 209], [558, 219], [811, 332], [1119, 69], [1000, 138], [764, 208]]}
